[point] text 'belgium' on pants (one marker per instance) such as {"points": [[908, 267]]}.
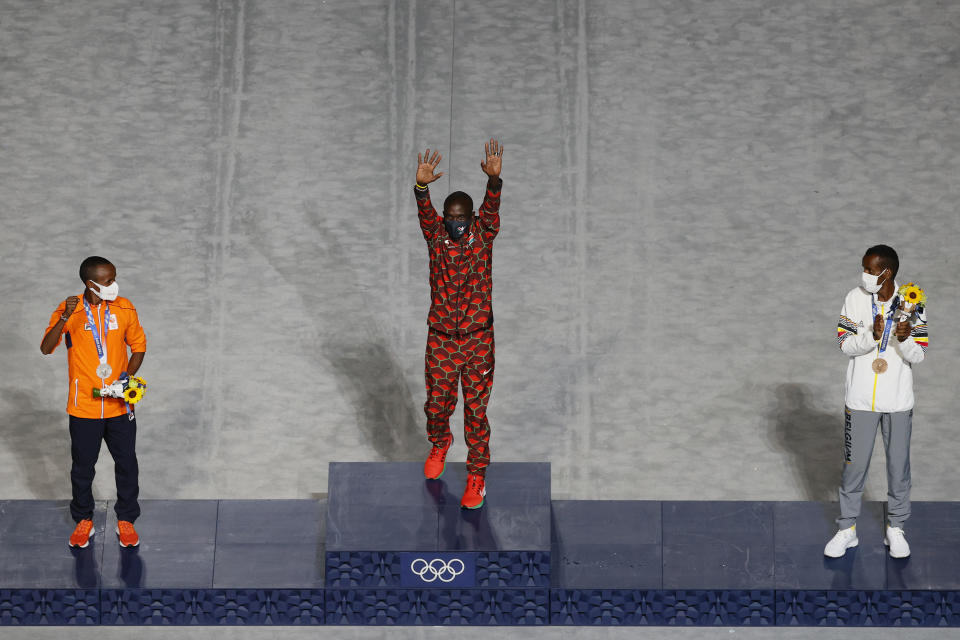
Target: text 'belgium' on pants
{"points": [[466, 360], [859, 436]]}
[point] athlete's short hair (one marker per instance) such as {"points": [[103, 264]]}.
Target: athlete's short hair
{"points": [[89, 264], [458, 196], [888, 257]]}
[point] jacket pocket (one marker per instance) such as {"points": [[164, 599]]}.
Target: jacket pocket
{"points": [[76, 390]]}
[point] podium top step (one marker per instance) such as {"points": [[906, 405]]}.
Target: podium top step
{"points": [[402, 484], [389, 506]]}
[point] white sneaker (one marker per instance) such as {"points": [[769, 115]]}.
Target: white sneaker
{"points": [[839, 543], [897, 542]]}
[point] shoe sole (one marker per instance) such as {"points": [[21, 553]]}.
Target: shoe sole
{"points": [[85, 544], [126, 546], [849, 546], [887, 545]]}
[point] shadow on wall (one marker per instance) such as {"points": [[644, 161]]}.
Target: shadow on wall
{"points": [[812, 439], [374, 385], [40, 442]]}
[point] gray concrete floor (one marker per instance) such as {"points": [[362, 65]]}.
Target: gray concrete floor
{"points": [[688, 189]]}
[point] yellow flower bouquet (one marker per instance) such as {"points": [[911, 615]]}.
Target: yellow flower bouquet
{"points": [[130, 390], [911, 297], [136, 387]]}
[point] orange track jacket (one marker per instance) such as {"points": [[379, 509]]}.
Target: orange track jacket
{"points": [[82, 358]]}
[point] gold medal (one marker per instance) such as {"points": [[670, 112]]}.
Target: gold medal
{"points": [[879, 365]]}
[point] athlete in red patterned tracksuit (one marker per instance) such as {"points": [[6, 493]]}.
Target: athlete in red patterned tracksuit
{"points": [[460, 340]]}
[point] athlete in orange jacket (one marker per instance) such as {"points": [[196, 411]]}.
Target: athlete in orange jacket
{"points": [[97, 327]]}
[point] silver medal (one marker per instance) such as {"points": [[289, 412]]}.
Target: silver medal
{"points": [[104, 370]]}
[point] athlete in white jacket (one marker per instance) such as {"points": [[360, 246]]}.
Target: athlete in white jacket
{"points": [[879, 393]]}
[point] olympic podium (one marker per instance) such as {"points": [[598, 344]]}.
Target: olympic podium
{"points": [[200, 562], [389, 548], [733, 563], [400, 550]]}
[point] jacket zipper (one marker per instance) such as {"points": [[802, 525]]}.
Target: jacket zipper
{"points": [[876, 376], [76, 389], [100, 319], [460, 283]]}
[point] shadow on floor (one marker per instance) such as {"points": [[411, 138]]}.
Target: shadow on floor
{"points": [[40, 441], [374, 385], [811, 438]]}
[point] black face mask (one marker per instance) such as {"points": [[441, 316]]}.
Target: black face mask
{"points": [[456, 228]]}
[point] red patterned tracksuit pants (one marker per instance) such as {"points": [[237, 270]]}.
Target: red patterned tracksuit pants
{"points": [[467, 360]]}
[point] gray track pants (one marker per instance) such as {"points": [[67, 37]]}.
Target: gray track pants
{"points": [[859, 434]]}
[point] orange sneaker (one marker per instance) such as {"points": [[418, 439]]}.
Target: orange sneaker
{"points": [[127, 534], [474, 493], [81, 535], [436, 462]]}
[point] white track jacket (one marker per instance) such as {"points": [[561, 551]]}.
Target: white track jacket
{"points": [[892, 390]]}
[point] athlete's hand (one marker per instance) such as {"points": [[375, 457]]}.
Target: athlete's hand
{"points": [[494, 151], [70, 304], [903, 330], [426, 166], [877, 326]]}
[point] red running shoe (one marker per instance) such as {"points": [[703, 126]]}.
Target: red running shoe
{"points": [[81, 535], [127, 534], [474, 493], [436, 462]]}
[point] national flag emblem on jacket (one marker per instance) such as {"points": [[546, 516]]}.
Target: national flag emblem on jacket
{"points": [[845, 328], [919, 331]]}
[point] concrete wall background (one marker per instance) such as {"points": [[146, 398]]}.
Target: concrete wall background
{"points": [[688, 189]]}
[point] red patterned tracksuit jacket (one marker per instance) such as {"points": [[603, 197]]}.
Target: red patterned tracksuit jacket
{"points": [[460, 346]]}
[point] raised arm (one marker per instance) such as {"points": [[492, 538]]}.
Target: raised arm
{"points": [[490, 209], [430, 222], [55, 330]]}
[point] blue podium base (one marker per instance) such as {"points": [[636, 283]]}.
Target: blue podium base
{"points": [[748, 563], [526, 560], [209, 562], [401, 550]]}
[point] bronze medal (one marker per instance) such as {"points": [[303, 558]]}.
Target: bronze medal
{"points": [[879, 365]]}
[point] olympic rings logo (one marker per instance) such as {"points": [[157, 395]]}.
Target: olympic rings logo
{"points": [[437, 569]]}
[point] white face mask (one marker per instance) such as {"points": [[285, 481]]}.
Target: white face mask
{"points": [[871, 284], [106, 293]]}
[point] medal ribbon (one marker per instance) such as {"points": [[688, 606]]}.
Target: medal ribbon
{"points": [[101, 346], [889, 323]]}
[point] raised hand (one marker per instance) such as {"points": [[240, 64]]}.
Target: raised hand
{"points": [[426, 165], [70, 304], [52, 336], [494, 151]]}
